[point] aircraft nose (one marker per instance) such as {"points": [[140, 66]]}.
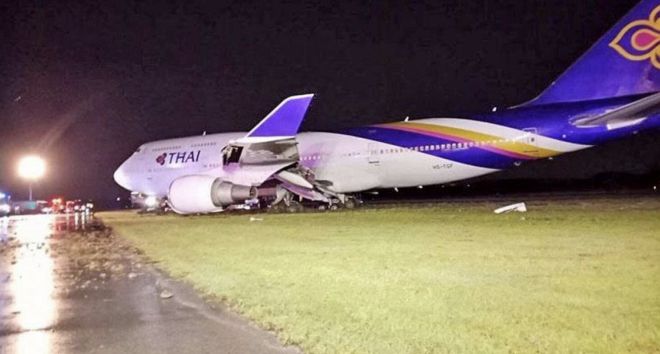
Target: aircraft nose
{"points": [[121, 176]]}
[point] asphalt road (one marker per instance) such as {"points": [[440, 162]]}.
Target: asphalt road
{"points": [[68, 290]]}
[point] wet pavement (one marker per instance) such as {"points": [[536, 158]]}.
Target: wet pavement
{"points": [[70, 286]]}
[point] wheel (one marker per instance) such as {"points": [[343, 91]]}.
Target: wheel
{"points": [[352, 202], [334, 207], [294, 207], [278, 208]]}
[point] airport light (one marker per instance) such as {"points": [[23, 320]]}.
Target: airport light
{"points": [[31, 168]]}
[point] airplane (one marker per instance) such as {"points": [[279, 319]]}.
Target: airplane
{"points": [[611, 92]]}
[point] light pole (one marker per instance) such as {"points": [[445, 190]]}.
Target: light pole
{"points": [[31, 168]]}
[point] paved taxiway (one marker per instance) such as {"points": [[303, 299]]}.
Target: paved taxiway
{"points": [[65, 290]]}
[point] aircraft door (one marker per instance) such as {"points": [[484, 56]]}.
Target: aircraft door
{"points": [[372, 154], [530, 140]]}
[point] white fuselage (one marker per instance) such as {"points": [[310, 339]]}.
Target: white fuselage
{"points": [[350, 163]]}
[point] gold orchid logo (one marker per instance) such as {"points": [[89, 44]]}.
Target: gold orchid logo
{"points": [[639, 39]]}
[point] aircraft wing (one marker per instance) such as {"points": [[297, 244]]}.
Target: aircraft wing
{"points": [[269, 147], [253, 175], [627, 115]]}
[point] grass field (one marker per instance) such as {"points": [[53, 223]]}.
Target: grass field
{"points": [[580, 276]]}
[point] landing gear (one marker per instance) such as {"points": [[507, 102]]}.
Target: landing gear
{"points": [[281, 207], [351, 202], [294, 207], [286, 201], [342, 202], [277, 208]]}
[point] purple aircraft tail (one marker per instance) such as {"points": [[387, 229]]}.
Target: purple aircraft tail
{"points": [[625, 61], [285, 119]]}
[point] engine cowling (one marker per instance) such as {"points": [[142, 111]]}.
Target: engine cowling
{"points": [[206, 194]]}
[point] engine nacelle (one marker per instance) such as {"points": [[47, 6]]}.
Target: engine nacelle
{"points": [[206, 194]]}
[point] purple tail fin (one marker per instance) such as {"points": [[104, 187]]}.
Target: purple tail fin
{"points": [[285, 119], [625, 61]]}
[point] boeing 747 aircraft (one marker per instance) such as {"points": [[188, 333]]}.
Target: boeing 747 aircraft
{"points": [[611, 92]]}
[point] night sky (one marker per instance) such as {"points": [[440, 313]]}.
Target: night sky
{"points": [[85, 83]]}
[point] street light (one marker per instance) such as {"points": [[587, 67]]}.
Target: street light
{"points": [[31, 168]]}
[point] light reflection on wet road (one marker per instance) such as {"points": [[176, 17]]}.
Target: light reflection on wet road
{"points": [[63, 290], [29, 302], [33, 285]]}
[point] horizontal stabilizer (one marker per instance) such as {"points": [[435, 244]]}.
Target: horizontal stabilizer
{"points": [[627, 115], [284, 120]]}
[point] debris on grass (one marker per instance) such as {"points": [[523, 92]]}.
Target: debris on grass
{"points": [[518, 207]]}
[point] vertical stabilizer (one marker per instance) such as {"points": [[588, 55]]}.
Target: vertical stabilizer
{"points": [[285, 119], [625, 61]]}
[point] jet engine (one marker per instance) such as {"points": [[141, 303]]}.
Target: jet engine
{"points": [[206, 194]]}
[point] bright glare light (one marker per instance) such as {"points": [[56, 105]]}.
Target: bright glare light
{"points": [[31, 167], [151, 201]]}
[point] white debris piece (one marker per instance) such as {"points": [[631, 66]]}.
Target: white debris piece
{"points": [[519, 207], [252, 218]]}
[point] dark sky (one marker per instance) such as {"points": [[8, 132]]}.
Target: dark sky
{"points": [[85, 83]]}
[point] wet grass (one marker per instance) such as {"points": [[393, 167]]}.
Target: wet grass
{"points": [[581, 276]]}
